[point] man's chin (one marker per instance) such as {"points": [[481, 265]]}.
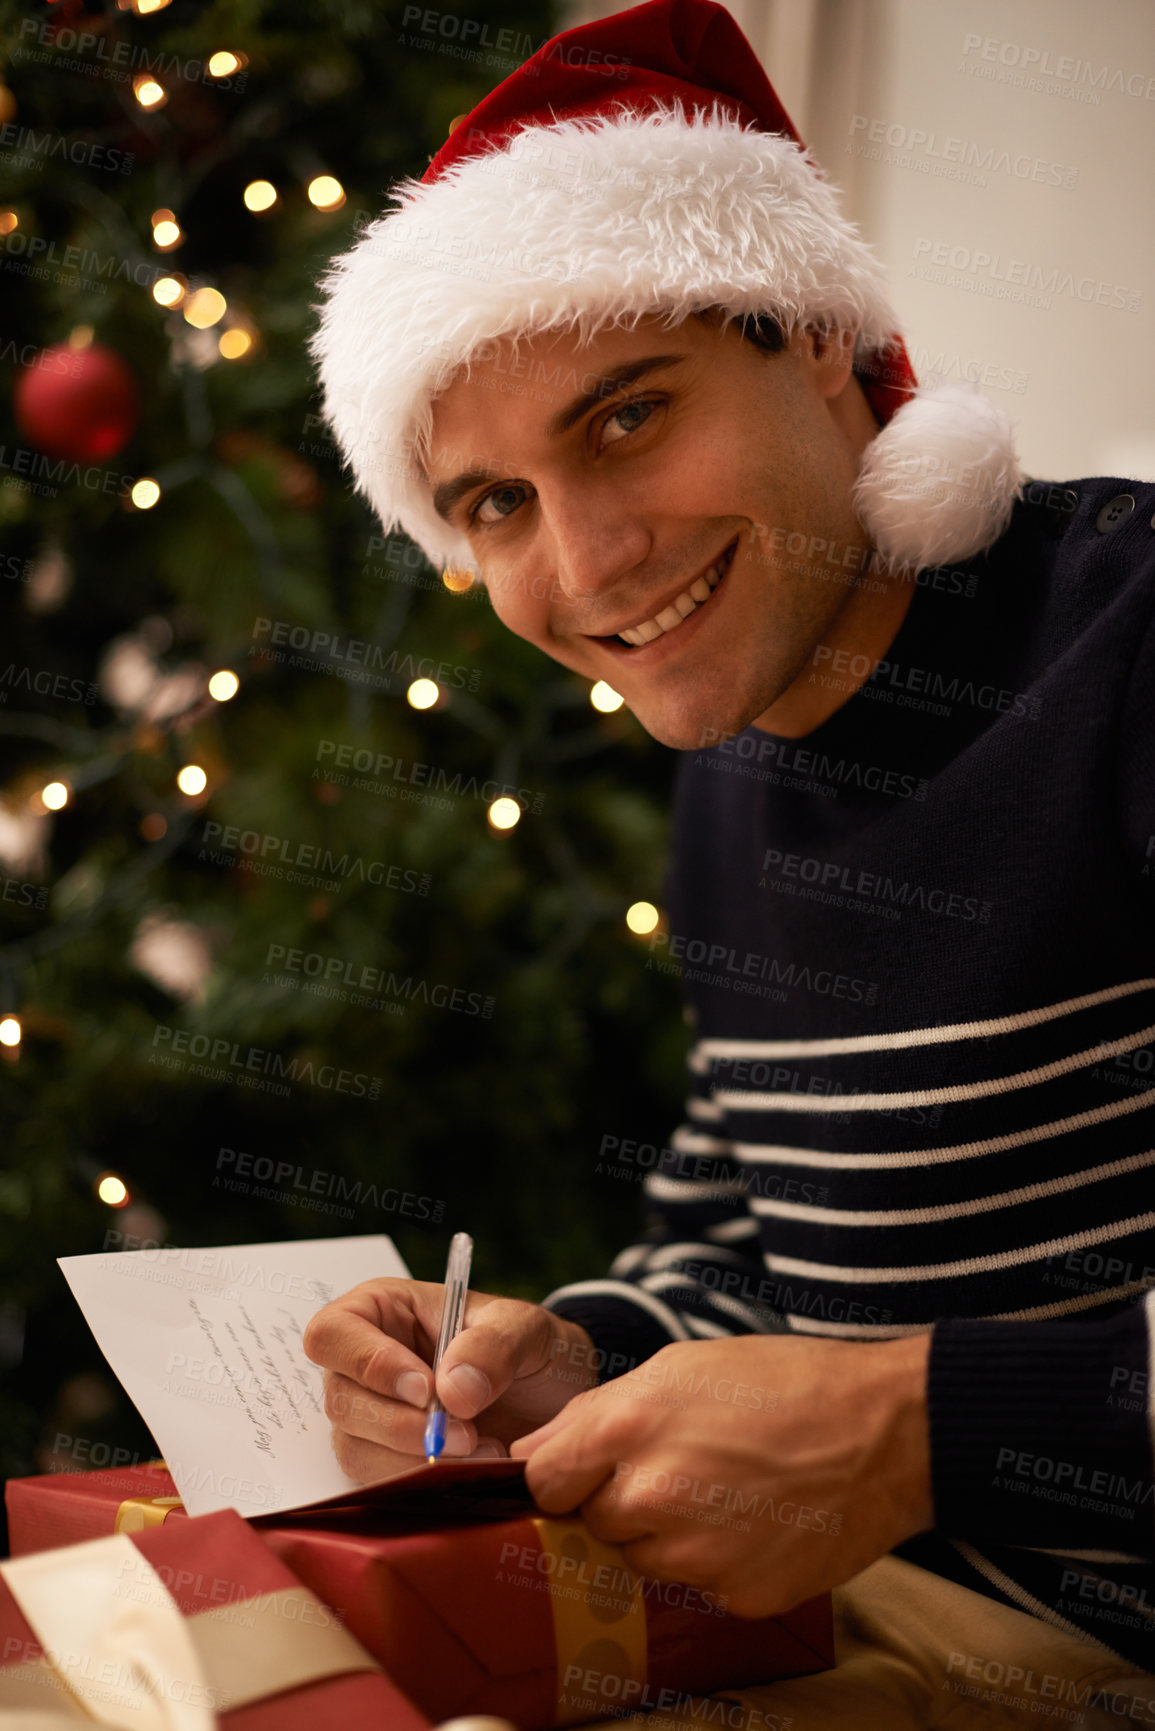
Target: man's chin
{"points": [[689, 732]]}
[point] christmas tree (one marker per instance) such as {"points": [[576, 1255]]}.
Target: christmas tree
{"points": [[318, 885]]}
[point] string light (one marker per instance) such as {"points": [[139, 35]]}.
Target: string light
{"points": [[80, 337], [192, 779], [166, 230], [457, 582], [642, 918], [112, 1190], [224, 685], [55, 795], [605, 699], [260, 195], [153, 827], [325, 192], [144, 7], [224, 63], [169, 291], [235, 343], [11, 1032], [205, 307], [145, 493], [148, 92], [8, 221], [504, 813], [423, 693]]}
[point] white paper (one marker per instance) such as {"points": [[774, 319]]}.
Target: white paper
{"points": [[207, 1345]]}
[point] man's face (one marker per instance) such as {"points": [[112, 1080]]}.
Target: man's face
{"points": [[621, 509]]}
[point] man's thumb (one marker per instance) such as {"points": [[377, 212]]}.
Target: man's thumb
{"points": [[482, 1361]]}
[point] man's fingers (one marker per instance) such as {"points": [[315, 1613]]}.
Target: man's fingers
{"points": [[662, 1558], [505, 1339], [618, 1520], [575, 1462], [388, 1423], [368, 1461], [524, 1446], [342, 1339]]}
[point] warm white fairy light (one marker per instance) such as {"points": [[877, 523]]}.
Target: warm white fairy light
{"points": [[11, 1032], [192, 779], [112, 1190], [167, 234], [423, 693], [224, 685], [168, 291], [148, 92], [235, 343], [504, 813], [642, 918], [260, 195], [605, 698], [326, 192], [55, 795], [205, 307], [145, 493]]}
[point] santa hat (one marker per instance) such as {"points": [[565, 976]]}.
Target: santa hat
{"points": [[638, 165]]}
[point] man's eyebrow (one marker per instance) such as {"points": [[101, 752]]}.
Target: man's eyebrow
{"points": [[447, 494]]}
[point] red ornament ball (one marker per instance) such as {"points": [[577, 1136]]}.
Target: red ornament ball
{"points": [[81, 404]]}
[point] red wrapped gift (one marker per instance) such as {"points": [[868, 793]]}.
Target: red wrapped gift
{"points": [[65, 1508], [175, 1626], [474, 1603]]}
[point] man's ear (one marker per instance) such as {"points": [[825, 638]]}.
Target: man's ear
{"points": [[828, 356]]}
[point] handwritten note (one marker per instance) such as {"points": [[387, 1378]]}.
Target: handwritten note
{"points": [[207, 1345]]}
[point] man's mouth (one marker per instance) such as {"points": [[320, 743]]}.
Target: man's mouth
{"points": [[681, 608]]}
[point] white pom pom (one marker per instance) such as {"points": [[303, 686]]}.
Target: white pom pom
{"points": [[939, 481]]}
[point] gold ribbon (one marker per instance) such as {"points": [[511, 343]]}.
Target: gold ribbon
{"points": [[135, 1514], [118, 1651], [599, 1615]]}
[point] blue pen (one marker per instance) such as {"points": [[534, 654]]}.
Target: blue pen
{"points": [[456, 1292]]}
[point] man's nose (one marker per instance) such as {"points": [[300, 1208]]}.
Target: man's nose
{"points": [[592, 542]]}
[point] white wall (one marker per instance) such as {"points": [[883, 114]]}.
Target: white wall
{"points": [[1077, 376]]}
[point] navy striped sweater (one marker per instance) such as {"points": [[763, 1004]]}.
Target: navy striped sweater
{"points": [[918, 949]]}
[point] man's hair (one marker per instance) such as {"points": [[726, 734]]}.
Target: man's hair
{"points": [[761, 329], [764, 331]]}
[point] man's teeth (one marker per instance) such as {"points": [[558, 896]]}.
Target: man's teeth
{"points": [[680, 607]]}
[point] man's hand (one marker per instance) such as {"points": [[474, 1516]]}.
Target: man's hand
{"points": [[511, 1368], [765, 1468]]}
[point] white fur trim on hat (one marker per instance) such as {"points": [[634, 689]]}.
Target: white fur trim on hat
{"points": [[582, 224], [598, 221], [939, 481]]}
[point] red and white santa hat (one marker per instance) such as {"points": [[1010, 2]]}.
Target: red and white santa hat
{"points": [[638, 165]]}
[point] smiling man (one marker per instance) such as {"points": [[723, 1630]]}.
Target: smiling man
{"points": [[624, 529], [619, 352]]}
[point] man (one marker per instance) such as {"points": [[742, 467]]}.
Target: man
{"points": [[888, 1296]]}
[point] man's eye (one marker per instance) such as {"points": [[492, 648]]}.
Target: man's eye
{"points": [[493, 498], [642, 407], [628, 409]]}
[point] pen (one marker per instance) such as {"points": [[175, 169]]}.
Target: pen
{"points": [[456, 1292]]}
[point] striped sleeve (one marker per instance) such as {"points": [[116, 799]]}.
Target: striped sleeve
{"points": [[697, 1271], [1041, 1432]]}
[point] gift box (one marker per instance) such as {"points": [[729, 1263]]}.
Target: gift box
{"points": [[183, 1628], [471, 1600], [66, 1508]]}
